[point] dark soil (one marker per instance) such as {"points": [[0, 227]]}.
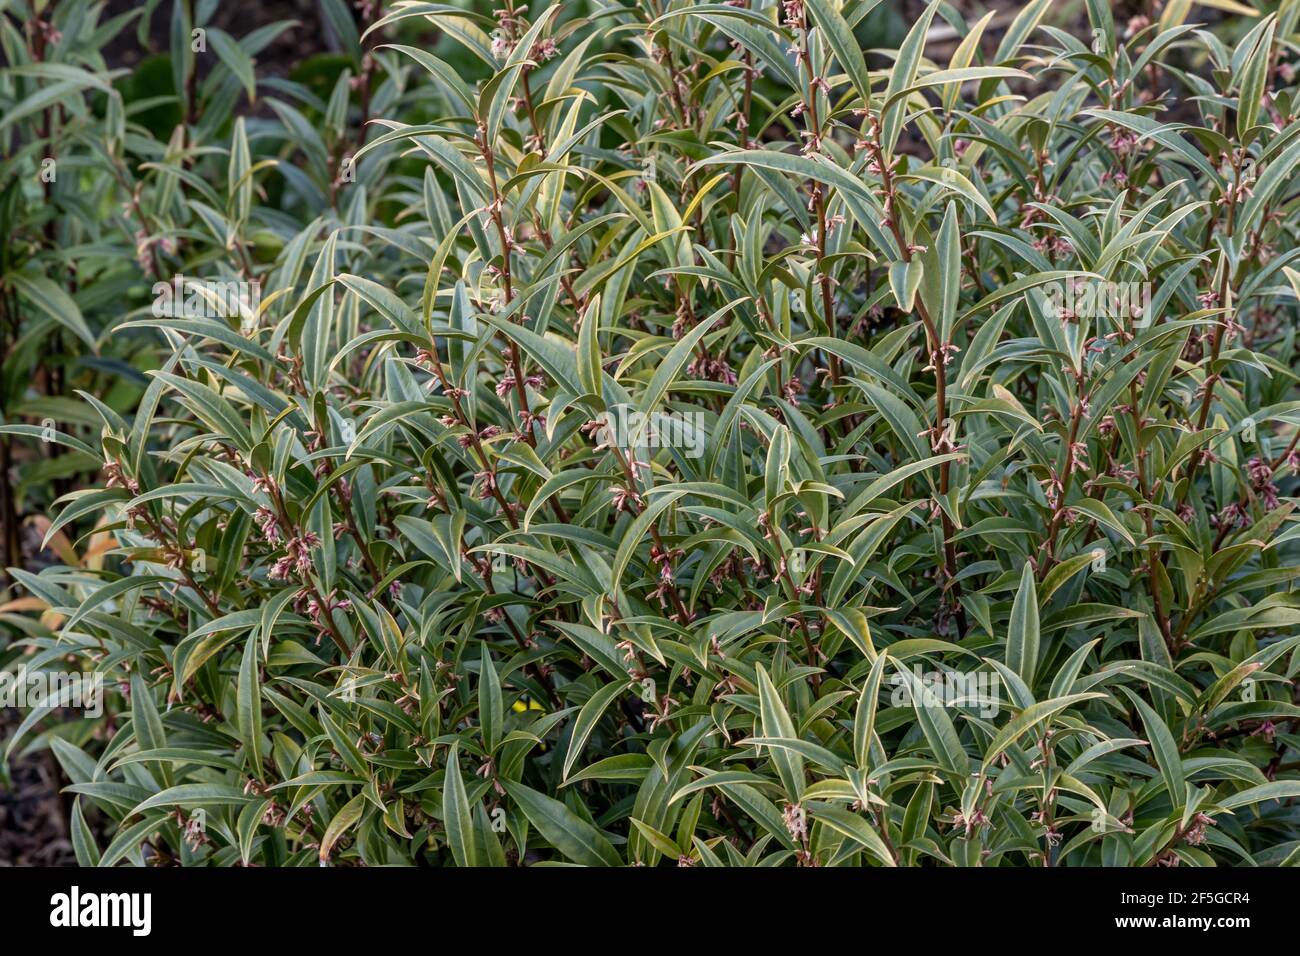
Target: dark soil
{"points": [[33, 814]]}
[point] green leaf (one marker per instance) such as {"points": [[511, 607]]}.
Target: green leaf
{"points": [[952, 180], [51, 300], [491, 705], [1166, 752], [1029, 718], [855, 828], [578, 840], [249, 707], [456, 813], [235, 59], [937, 727], [839, 36], [342, 821], [586, 721], [776, 722], [192, 795], [1022, 629], [1276, 790], [902, 76], [1253, 76]]}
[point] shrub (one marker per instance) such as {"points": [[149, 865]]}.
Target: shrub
{"points": [[635, 433]]}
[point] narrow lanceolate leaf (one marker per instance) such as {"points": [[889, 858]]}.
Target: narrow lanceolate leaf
{"points": [[855, 828], [83, 838], [864, 718], [778, 465], [839, 36], [195, 795], [574, 837], [51, 300], [668, 370], [1022, 629], [1277, 790], [235, 59], [956, 182], [491, 706], [936, 725], [1165, 749], [456, 813], [341, 822], [775, 721], [589, 348], [250, 705], [1253, 76], [586, 722], [1029, 719], [901, 77], [949, 272]]}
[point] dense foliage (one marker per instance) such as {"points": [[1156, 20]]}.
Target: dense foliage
{"points": [[661, 432]]}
